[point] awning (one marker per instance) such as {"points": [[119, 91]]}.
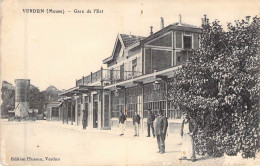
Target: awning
{"points": [[79, 90]]}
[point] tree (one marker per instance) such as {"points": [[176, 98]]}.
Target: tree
{"points": [[37, 99], [219, 87], [51, 94], [8, 100]]}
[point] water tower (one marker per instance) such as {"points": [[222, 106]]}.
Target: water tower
{"points": [[22, 91]]}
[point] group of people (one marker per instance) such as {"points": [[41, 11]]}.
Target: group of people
{"points": [[188, 129]]}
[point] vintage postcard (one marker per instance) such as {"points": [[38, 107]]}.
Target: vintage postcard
{"points": [[172, 82]]}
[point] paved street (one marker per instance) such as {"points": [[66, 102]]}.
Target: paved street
{"points": [[69, 145]]}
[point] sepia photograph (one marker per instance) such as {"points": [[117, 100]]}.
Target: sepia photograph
{"points": [[129, 83]]}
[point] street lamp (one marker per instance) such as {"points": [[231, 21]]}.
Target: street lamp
{"points": [[116, 93], [156, 85]]}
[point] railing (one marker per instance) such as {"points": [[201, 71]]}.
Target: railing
{"points": [[119, 75], [109, 76], [93, 77]]}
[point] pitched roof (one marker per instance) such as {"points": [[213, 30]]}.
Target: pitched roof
{"points": [[185, 25], [175, 26], [129, 40]]}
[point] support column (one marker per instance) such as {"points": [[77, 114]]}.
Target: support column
{"points": [[99, 113], [102, 108], [125, 107], [76, 111], [67, 112], [166, 100], [50, 113], [143, 108], [63, 112], [71, 112]]}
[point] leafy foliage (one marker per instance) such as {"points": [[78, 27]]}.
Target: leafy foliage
{"points": [[8, 94], [37, 99], [219, 88]]}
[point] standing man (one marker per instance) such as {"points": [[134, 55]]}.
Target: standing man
{"points": [[150, 120], [121, 119], [136, 123], [188, 129], [161, 125]]}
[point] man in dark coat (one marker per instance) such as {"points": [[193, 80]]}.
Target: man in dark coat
{"points": [[161, 125], [188, 130], [136, 123], [150, 120], [122, 119]]}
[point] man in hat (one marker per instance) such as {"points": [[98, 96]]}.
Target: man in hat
{"points": [[136, 123], [161, 125], [150, 119], [188, 129], [121, 119]]}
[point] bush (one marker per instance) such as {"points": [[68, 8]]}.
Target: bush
{"points": [[219, 88]]}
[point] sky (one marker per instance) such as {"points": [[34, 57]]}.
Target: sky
{"points": [[56, 49]]}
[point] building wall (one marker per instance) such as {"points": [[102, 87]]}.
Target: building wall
{"points": [[168, 50]]}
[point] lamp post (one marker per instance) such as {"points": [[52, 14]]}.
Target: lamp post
{"points": [[116, 93], [156, 85]]}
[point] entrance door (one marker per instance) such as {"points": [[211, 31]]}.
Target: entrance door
{"points": [[95, 114], [106, 111]]}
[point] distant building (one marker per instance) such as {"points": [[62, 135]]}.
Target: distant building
{"points": [[53, 111], [22, 91], [135, 78]]}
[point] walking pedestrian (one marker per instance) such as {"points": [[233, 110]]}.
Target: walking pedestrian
{"points": [[150, 120], [188, 129], [161, 125], [136, 123], [121, 119]]}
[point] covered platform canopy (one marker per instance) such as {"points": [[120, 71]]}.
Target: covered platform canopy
{"points": [[79, 90]]}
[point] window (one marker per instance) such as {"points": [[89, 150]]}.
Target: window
{"points": [[178, 59], [178, 40], [154, 100], [187, 41], [118, 103], [55, 112], [133, 102], [173, 111], [134, 67]]}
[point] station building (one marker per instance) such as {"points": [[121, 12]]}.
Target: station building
{"points": [[135, 79]]}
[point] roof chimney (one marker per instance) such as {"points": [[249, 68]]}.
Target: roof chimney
{"points": [[180, 22], [151, 30], [162, 23], [204, 20], [248, 18]]}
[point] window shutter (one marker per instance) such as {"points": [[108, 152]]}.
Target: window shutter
{"points": [[129, 73], [139, 66], [125, 69]]}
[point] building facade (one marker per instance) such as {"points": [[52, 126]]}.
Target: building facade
{"points": [[135, 79]]}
